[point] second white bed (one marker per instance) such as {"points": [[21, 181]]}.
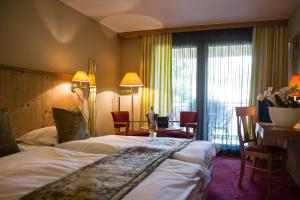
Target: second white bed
{"points": [[197, 152]]}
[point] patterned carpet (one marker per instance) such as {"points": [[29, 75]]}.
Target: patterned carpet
{"points": [[225, 183]]}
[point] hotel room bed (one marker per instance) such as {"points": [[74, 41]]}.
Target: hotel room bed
{"points": [[23, 172], [197, 152]]}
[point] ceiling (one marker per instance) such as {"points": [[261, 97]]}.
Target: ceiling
{"points": [[135, 15]]}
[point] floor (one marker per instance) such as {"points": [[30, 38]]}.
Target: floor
{"points": [[225, 178]]}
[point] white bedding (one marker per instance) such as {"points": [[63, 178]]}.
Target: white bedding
{"points": [[26, 171], [104, 144], [23, 172], [168, 181], [197, 152], [27, 147]]}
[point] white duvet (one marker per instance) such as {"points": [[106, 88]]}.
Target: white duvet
{"points": [[197, 152], [26, 171]]}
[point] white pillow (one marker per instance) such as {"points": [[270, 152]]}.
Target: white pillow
{"points": [[44, 136]]}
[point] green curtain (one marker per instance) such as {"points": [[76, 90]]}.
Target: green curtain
{"points": [[156, 74], [269, 61]]}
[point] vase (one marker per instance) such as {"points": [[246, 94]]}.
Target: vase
{"points": [[284, 117]]}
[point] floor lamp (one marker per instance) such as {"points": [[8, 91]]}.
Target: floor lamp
{"points": [[131, 79]]}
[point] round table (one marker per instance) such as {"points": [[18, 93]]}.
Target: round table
{"points": [[163, 132]]}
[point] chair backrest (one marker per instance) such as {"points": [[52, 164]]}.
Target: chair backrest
{"points": [[188, 117], [120, 116], [246, 118]]}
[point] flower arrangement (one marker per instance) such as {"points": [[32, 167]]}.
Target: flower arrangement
{"points": [[283, 98]]}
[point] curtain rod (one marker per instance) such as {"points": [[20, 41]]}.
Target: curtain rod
{"points": [[136, 34]]}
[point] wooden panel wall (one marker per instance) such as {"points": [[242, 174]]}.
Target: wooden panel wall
{"points": [[30, 95]]}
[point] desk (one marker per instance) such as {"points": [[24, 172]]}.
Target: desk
{"points": [[269, 132], [290, 137]]}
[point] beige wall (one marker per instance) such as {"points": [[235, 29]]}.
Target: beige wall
{"points": [[294, 24], [129, 55], [47, 35], [130, 62]]}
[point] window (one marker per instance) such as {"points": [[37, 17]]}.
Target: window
{"points": [[211, 72], [184, 67]]}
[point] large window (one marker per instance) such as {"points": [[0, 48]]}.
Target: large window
{"points": [[184, 67], [211, 72], [228, 86]]}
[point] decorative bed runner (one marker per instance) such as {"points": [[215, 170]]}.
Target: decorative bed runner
{"points": [[111, 177], [162, 143]]}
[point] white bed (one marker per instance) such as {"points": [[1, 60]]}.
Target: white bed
{"points": [[26, 171], [197, 152]]}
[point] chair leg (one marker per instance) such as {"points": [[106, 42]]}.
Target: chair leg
{"points": [[242, 171], [252, 173], [284, 161], [270, 177]]}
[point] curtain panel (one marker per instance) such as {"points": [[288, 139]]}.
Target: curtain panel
{"points": [[269, 61], [156, 74], [184, 73], [294, 57], [216, 50]]}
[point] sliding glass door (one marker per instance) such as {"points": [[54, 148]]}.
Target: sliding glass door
{"points": [[211, 74], [228, 86]]}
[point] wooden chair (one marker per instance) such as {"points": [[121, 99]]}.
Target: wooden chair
{"points": [[188, 120], [265, 152], [121, 120]]}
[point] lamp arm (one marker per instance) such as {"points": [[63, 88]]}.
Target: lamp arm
{"points": [[75, 86]]}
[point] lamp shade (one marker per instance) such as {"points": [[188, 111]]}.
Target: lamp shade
{"points": [[131, 79], [80, 76], [295, 82]]}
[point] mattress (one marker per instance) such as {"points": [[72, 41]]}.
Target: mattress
{"points": [[23, 172]]}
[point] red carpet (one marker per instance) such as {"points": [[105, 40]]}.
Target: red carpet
{"points": [[225, 183]]}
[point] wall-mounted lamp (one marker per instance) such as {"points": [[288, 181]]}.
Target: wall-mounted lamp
{"points": [[79, 80]]}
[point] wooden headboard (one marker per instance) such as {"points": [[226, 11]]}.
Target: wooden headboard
{"points": [[30, 95]]}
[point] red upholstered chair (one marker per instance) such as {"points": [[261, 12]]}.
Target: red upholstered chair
{"points": [[121, 120], [188, 120], [255, 151]]}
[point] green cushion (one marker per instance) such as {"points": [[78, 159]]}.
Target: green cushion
{"points": [[8, 143], [70, 125]]}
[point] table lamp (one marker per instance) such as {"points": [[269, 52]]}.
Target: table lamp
{"points": [[295, 82], [131, 79]]}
